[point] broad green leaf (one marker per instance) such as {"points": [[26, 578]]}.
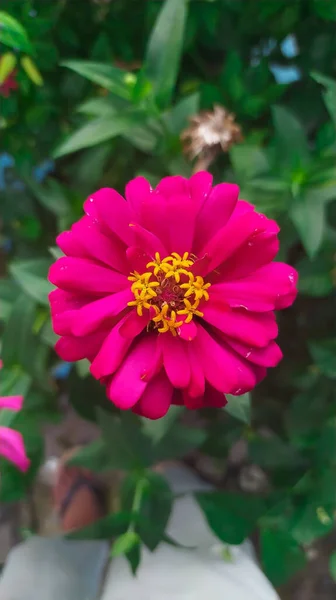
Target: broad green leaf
{"points": [[308, 216], [7, 64], [270, 453], [332, 566], [154, 507], [111, 78], [324, 355], [330, 94], [94, 457], [31, 276], [98, 107], [164, 50], [114, 524], [125, 543], [231, 516], [156, 429], [12, 34], [239, 407], [178, 442], [248, 161], [127, 446], [310, 522], [98, 131], [8, 294], [291, 137], [281, 555]]}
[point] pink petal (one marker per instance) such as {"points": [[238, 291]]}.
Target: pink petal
{"points": [[192, 403], [128, 384], [197, 382], [200, 188], [156, 399], [154, 211], [223, 368], [269, 356], [64, 307], [187, 331], [172, 185], [12, 448], [137, 192], [11, 402], [257, 329], [149, 242], [216, 367], [254, 253], [137, 259], [80, 275], [100, 313], [215, 212], [109, 250], [114, 212], [213, 398], [181, 223], [175, 359], [71, 348], [230, 237], [67, 242], [116, 345]]}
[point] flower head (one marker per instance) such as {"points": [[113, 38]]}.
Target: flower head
{"points": [[210, 132], [171, 294], [11, 442]]}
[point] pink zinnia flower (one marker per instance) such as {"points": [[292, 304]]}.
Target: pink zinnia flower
{"points": [[171, 293], [11, 442]]}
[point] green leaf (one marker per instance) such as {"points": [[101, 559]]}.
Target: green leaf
{"points": [[281, 555], [17, 336], [155, 506], [178, 442], [125, 543], [315, 276], [324, 355], [177, 118], [329, 95], [51, 195], [273, 452], [164, 50], [111, 78], [248, 161], [31, 276], [231, 516], [104, 529], [8, 294], [308, 216], [12, 34], [98, 131], [332, 566], [94, 457], [239, 407], [31, 70], [310, 522], [326, 9], [7, 64], [127, 446], [290, 136]]}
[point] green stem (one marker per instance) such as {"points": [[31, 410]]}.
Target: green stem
{"points": [[136, 504]]}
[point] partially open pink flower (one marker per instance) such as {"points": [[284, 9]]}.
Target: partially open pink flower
{"points": [[11, 442], [171, 293]]}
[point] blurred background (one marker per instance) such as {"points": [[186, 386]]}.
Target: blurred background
{"points": [[94, 93]]}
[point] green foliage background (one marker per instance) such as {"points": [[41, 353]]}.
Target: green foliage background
{"points": [[120, 80]]}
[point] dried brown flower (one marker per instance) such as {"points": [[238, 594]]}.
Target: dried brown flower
{"points": [[209, 133]]}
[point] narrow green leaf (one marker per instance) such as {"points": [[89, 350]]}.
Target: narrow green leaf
{"points": [[104, 529], [329, 95], [111, 78], [308, 216], [98, 131], [17, 336], [31, 70], [125, 543], [239, 407], [12, 34], [165, 48], [31, 276], [231, 516], [7, 64], [290, 136], [52, 195]]}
